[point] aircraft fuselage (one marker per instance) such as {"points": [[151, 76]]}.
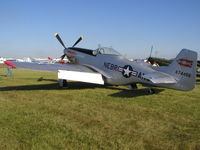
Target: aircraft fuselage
{"points": [[122, 70]]}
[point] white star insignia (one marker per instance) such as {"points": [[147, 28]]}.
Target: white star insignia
{"points": [[127, 71]]}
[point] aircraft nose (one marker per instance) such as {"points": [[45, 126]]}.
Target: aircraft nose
{"points": [[65, 51]]}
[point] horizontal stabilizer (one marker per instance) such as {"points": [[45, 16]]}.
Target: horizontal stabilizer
{"points": [[160, 78]]}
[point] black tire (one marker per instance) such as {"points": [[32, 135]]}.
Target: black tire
{"points": [[65, 83], [134, 86], [151, 91]]}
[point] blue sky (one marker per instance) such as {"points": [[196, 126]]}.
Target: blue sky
{"points": [[130, 26]]}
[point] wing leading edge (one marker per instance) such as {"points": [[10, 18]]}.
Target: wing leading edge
{"points": [[51, 67]]}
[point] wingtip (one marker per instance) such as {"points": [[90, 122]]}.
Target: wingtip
{"points": [[9, 64]]}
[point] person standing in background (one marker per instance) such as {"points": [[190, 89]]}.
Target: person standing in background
{"points": [[9, 73]]}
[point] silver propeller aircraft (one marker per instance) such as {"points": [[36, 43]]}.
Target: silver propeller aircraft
{"points": [[106, 66]]}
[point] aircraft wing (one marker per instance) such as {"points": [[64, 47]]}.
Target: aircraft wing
{"points": [[160, 78], [50, 67], [65, 71]]}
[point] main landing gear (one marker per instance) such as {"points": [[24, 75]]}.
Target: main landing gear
{"points": [[62, 83], [151, 91], [134, 87]]}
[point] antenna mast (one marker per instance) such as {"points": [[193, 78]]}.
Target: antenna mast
{"points": [[151, 50]]}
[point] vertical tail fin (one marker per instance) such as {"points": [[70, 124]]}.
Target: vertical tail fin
{"points": [[183, 69]]}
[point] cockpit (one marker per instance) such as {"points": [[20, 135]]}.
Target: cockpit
{"points": [[100, 50], [106, 50]]}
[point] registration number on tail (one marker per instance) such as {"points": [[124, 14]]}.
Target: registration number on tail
{"points": [[185, 74]]}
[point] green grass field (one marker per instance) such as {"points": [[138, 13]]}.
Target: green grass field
{"points": [[40, 115]]}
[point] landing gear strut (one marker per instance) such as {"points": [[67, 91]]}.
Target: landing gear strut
{"points": [[62, 83], [151, 91]]}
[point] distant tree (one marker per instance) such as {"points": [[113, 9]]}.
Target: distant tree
{"points": [[160, 61]]}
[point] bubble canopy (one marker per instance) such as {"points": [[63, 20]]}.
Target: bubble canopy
{"points": [[107, 50], [100, 50]]}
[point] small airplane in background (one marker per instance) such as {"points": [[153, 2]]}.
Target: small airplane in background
{"points": [[57, 60], [42, 60], [106, 66]]}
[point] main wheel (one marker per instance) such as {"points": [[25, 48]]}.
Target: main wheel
{"points": [[151, 91], [133, 86], [62, 83], [65, 83]]}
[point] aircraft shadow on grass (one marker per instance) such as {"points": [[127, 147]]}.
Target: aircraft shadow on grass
{"points": [[80, 86], [134, 93], [197, 81]]}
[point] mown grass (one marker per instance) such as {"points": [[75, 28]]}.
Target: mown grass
{"points": [[40, 115]]}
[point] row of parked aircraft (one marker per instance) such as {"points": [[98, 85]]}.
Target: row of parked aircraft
{"points": [[107, 66]]}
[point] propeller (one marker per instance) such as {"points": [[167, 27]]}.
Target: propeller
{"points": [[63, 56], [81, 37], [59, 39], [61, 42]]}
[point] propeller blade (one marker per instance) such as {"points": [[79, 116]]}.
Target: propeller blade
{"points": [[62, 57], [59, 39], [81, 37]]}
